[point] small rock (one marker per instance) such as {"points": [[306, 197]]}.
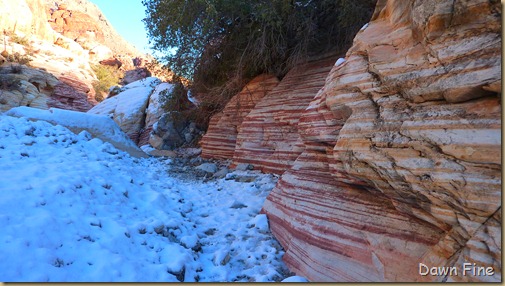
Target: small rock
{"points": [[238, 205], [221, 173], [221, 258], [244, 167], [230, 176], [208, 168], [245, 179]]}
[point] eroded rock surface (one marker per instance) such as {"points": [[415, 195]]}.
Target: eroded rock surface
{"points": [[401, 159], [25, 86], [268, 137], [221, 137]]}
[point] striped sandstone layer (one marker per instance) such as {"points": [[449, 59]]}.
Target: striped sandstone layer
{"points": [[221, 137], [401, 159], [268, 137]]}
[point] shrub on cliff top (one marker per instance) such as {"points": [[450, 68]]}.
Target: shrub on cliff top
{"points": [[107, 77], [221, 44]]}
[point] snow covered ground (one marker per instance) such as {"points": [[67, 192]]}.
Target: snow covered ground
{"points": [[73, 208]]}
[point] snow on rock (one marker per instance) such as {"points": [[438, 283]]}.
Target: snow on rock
{"points": [[339, 62], [74, 208], [295, 279], [154, 110], [129, 106], [98, 126]]}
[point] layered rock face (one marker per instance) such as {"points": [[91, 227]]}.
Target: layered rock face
{"points": [[221, 137], [27, 17], [268, 137], [24, 86], [401, 160], [83, 20]]}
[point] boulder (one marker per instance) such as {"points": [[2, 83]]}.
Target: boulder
{"points": [[98, 126], [135, 74], [128, 107], [112, 62], [25, 86], [154, 111], [401, 160], [167, 133], [208, 168]]}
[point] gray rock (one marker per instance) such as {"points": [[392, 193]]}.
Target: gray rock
{"points": [[245, 179], [208, 168], [244, 167], [188, 137], [168, 131], [221, 173]]}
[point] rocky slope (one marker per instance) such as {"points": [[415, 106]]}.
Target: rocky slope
{"points": [[60, 40], [83, 21], [397, 159]]}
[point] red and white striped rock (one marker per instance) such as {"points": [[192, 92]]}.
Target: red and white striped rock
{"points": [[268, 137], [401, 159], [220, 140]]}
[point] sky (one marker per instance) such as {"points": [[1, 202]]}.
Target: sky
{"points": [[126, 17]]}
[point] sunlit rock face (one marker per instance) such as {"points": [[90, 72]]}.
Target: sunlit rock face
{"points": [[221, 137], [129, 107], [268, 137], [401, 152]]}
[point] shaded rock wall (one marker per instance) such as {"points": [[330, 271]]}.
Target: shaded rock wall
{"points": [[221, 137], [268, 137], [401, 160]]}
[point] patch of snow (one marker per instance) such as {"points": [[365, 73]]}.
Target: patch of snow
{"points": [[154, 100], [147, 148], [339, 62], [295, 279], [99, 126], [150, 82], [74, 208], [192, 99]]}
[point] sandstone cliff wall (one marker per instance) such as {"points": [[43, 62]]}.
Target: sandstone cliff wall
{"points": [[61, 39], [221, 137], [81, 18], [401, 160], [268, 137], [27, 16]]}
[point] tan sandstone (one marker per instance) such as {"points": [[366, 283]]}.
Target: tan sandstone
{"points": [[401, 160]]}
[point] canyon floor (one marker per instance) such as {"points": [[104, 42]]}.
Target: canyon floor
{"points": [[77, 209]]}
